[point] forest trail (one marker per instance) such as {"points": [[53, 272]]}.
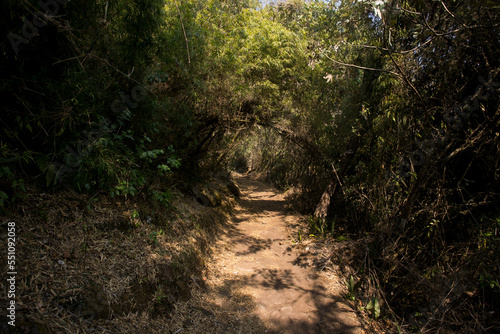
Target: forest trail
{"points": [[258, 272]]}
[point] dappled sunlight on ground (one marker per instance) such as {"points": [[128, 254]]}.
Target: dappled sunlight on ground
{"points": [[258, 272]]}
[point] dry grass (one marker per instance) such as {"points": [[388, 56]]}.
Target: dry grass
{"points": [[96, 265]]}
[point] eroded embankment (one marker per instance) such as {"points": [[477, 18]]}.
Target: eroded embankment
{"points": [[101, 265]]}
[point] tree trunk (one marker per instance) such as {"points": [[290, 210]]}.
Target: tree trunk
{"points": [[324, 203]]}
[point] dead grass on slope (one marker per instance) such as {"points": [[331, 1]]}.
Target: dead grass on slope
{"points": [[97, 265]]}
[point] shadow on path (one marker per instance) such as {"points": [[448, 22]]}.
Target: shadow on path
{"points": [[286, 293]]}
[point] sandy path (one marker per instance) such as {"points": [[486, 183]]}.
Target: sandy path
{"points": [[258, 263]]}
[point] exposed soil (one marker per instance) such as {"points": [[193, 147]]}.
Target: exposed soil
{"points": [[107, 271], [259, 272]]}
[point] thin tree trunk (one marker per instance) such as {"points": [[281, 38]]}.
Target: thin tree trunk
{"points": [[324, 203]]}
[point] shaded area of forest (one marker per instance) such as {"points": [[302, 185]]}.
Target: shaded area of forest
{"points": [[383, 116]]}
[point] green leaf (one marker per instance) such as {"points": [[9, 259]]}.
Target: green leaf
{"points": [[50, 175], [3, 197], [352, 286], [374, 306]]}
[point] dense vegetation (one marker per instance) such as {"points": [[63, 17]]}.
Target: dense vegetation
{"points": [[383, 114]]}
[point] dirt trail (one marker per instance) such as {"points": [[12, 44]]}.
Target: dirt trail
{"points": [[259, 266]]}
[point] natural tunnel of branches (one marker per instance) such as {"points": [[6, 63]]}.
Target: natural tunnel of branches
{"points": [[379, 119]]}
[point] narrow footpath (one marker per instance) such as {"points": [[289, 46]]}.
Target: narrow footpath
{"points": [[259, 273]]}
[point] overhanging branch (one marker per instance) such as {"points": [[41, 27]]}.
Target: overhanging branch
{"points": [[363, 67]]}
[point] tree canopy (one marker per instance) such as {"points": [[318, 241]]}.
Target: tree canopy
{"points": [[383, 114]]}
